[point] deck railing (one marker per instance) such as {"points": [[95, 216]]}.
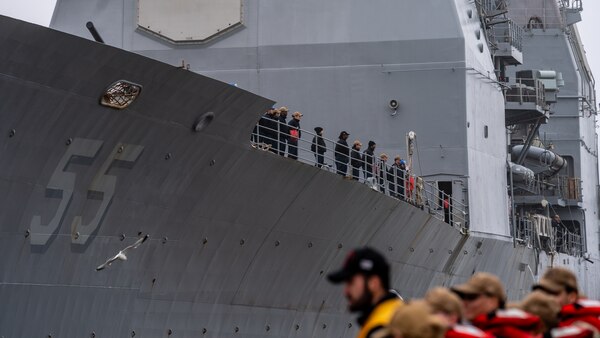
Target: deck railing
{"points": [[525, 231], [540, 232], [491, 6], [568, 242], [527, 90], [567, 188], [570, 188], [531, 18], [570, 4], [391, 181], [509, 32]]}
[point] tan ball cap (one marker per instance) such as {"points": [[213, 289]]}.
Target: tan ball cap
{"points": [[482, 283], [556, 280]]}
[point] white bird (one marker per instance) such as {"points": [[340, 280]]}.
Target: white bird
{"points": [[121, 255]]}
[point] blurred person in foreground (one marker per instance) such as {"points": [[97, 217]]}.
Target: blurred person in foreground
{"points": [[547, 308], [484, 300], [561, 283], [414, 320], [448, 307], [366, 278]]}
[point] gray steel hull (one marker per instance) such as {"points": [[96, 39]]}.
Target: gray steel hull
{"points": [[240, 239]]}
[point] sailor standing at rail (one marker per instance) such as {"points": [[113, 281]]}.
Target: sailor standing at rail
{"points": [[342, 154], [284, 130], [356, 160], [382, 170], [267, 130], [273, 130], [295, 135], [369, 158], [366, 278], [318, 147], [397, 171]]}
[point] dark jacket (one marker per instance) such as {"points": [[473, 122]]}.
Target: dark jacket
{"points": [[383, 170], [318, 145], [396, 174], [267, 128], [369, 159], [357, 160], [342, 151], [284, 129], [270, 122]]}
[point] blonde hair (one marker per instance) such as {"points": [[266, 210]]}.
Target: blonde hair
{"points": [[416, 320], [443, 300], [542, 305]]}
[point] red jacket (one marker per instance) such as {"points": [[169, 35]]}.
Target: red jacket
{"points": [[511, 323], [583, 310]]}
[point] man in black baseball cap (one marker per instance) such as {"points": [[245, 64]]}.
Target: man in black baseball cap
{"points": [[366, 278]]}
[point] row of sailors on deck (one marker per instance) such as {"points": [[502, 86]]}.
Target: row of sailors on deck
{"points": [[279, 135], [364, 162], [476, 308]]}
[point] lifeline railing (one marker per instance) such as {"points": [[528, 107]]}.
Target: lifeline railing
{"points": [[568, 242], [509, 32], [570, 4], [538, 17], [393, 182], [493, 6], [565, 187], [527, 90], [525, 231], [540, 232], [570, 188]]}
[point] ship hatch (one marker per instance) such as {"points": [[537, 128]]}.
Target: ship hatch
{"points": [[120, 94], [189, 21]]}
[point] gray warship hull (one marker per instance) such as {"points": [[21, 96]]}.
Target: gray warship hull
{"points": [[239, 245], [240, 240]]}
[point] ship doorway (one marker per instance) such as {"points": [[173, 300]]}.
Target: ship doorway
{"points": [[445, 199]]}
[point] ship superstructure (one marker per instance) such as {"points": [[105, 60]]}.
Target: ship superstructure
{"points": [[226, 239], [551, 123]]}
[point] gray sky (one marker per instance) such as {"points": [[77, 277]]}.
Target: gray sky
{"points": [[591, 43], [36, 11], [40, 12]]}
